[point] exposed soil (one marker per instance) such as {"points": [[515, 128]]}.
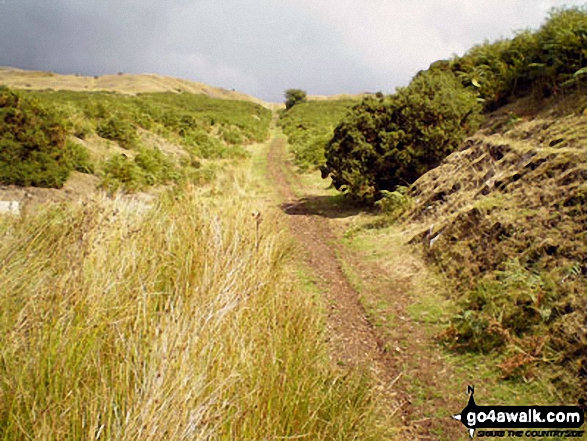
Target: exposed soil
{"points": [[394, 359]]}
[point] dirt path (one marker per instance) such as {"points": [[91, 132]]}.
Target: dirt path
{"points": [[354, 341], [352, 335]]}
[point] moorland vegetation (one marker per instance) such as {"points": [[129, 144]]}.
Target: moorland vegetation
{"points": [[45, 133]]}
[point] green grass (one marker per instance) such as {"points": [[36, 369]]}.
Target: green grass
{"points": [[165, 113], [428, 300], [149, 167]]}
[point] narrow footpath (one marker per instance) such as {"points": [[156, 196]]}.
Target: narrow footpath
{"points": [[354, 341]]}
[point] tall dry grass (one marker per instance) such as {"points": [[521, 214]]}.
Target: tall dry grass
{"points": [[167, 324]]}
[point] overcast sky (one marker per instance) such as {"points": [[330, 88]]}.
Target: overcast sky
{"points": [[260, 47]]}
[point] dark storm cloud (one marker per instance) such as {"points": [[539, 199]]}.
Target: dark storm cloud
{"points": [[259, 47], [68, 36]]}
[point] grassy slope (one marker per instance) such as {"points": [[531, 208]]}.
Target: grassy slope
{"points": [[524, 172], [399, 286], [309, 126], [508, 221]]}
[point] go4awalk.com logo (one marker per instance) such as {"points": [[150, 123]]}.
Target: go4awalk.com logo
{"points": [[522, 421]]}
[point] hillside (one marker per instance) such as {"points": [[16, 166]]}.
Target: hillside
{"points": [[200, 279], [120, 83], [52, 138], [158, 308], [504, 218]]}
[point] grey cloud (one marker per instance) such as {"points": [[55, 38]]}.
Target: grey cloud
{"points": [[259, 47]]}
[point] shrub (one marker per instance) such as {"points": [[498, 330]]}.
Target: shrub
{"points": [[232, 136], [394, 203], [542, 62], [293, 97], [121, 172], [33, 143], [309, 152], [499, 312], [149, 167], [209, 147], [156, 167], [118, 129], [78, 158], [391, 142]]}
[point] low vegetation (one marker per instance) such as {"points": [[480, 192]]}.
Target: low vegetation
{"points": [[502, 214], [293, 97], [125, 321], [504, 219], [176, 320], [545, 62], [149, 167], [394, 140]]}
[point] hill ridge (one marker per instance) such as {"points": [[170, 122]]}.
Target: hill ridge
{"points": [[123, 83]]}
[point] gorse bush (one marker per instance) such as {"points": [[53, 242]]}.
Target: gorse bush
{"points": [[33, 143], [392, 141]]}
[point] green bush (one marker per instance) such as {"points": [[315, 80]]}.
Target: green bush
{"points": [[209, 147], [394, 203], [149, 167], [33, 143], [118, 129], [231, 136], [156, 167], [293, 97], [180, 118], [543, 62], [78, 158], [208, 128], [121, 172], [388, 142], [500, 311]]}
